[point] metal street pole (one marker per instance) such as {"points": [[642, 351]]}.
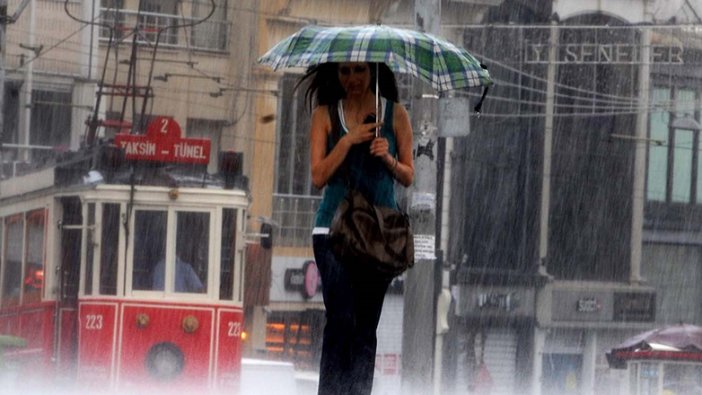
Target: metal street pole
{"points": [[3, 51], [419, 320], [545, 210], [638, 192]]}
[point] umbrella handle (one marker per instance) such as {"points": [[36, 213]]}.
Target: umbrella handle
{"points": [[480, 103], [377, 98]]}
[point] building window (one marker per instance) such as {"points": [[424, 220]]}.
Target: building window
{"points": [[296, 199], [295, 336], [157, 15], [210, 129], [112, 15], [674, 166], [51, 122], [213, 33], [293, 176], [49, 128]]}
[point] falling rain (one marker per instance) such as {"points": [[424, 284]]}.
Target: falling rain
{"points": [[558, 225]]}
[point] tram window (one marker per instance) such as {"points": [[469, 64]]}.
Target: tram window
{"points": [[226, 281], [90, 253], [33, 280], [12, 262], [149, 248], [70, 246], [109, 243], [192, 252]]}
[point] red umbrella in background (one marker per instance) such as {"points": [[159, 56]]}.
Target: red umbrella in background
{"points": [[681, 342]]}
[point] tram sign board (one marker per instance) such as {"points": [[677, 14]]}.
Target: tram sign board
{"points": [[163, 143]]}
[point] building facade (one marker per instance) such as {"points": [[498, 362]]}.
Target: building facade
{"points": [[576, 208]]}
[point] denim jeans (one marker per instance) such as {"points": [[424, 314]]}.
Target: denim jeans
{"points": [[353, 298]]}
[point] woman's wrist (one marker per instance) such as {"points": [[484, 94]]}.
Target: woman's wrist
{"points": [[345, 142], [391, 163]]}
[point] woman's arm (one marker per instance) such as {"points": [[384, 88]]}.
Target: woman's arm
{"points": [[323, 166], [402, 167]]}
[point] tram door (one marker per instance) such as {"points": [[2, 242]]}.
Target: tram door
{"points": [[71, 224]]}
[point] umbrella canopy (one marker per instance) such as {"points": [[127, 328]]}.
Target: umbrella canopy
{"points": [[436, 61], [681, 342]]}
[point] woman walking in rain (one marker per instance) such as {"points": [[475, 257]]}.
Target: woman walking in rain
{"points": [[345, 151]]}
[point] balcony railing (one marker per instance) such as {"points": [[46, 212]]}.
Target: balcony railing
{"points": [[295, 216], [209, 35]]}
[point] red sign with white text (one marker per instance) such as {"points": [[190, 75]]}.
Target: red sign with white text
{"points": [[163, 143]]}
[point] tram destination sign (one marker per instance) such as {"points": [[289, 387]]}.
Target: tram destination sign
{"points": [[163, 143]]}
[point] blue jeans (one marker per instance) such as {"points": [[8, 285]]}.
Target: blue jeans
{"points": [[353, 298]]}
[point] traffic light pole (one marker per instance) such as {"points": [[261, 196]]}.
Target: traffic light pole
{"points": [[423, 281]]}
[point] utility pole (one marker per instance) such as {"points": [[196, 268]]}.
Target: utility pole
{"points": [[25, 121], [3, 51], [423, 281], [539, 339], [4, 21], [638, 192]]}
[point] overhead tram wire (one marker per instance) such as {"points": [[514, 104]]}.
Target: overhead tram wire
{"points": [[609, 109], [559, 85], [43, 55], [501, 83], [588, 99], [225, 87]]}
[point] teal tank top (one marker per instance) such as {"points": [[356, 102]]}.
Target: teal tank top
{"points": [[368, 173]]}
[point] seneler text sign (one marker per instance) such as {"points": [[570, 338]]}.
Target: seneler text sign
{"points": [[598, 53], [163, 143]]}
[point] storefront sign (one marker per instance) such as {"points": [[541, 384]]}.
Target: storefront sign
{"points": [[306, 280], [498, 301], [588, 305], [598, 53], [163, 143], [634, 306]]}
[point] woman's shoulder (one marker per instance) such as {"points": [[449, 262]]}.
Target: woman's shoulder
{"points": [[399, 109], [321, 110], [320, 115]]}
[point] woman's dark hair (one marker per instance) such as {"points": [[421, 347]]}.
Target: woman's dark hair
{"points": [[324, 87]]}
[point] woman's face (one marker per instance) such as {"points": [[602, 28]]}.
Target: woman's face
{"points": [[354, 78]]}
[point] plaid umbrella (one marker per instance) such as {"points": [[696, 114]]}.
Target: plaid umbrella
{"points": [[436, 61]]}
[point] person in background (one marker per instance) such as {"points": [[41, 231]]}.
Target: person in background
{"points": [[33, 282], [186, 280], [344, 150]]}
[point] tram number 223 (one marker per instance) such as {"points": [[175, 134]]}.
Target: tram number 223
{"points": [[93, 322], [234, 329]]}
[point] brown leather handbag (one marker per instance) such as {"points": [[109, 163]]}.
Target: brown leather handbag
{"points": [[378, 237]]}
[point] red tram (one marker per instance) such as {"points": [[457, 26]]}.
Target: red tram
{"points": [[122, 266]]}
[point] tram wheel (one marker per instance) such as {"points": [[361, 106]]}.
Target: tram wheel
{"points": [[164, 361]]}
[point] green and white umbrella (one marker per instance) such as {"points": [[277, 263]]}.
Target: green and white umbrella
{"points": [[436, 61]]}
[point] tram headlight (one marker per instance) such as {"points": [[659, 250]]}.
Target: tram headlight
{"points": [[190, 324], [164, 361], [142, 320]]}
